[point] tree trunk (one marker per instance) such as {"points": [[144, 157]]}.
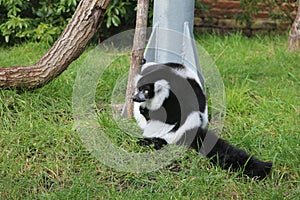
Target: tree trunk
{"points": [[137, 51], [294, 39], [66, 49]]}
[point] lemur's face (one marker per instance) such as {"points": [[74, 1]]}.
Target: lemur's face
{"points": [[145, 92]]}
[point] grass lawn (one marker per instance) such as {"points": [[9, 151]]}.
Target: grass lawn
{"points": [[42, 156]]}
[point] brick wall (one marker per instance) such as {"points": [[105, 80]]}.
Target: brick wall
{"points": [[223, 14]]}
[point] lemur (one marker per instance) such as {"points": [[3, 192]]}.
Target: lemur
{"points": [[171, 108]]}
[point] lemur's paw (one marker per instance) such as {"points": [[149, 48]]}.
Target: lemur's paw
{"points": [[157, 142], [145, 142]]}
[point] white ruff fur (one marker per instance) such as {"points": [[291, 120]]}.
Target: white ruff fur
{"points": [[192, 121], [162, 91]]}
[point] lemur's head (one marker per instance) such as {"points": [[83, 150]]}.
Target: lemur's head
{"points": [[144, 93], [151, 86], [157, 91]]}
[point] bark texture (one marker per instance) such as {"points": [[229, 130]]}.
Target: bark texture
{"points": [[137, 53], [294, 39], [66, 49]]}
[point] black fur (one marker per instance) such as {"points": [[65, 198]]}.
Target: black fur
{"points": [[199, 94], [172, 108], [229, 157]]}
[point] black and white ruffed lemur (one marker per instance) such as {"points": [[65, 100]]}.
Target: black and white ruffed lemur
{"points": [[170, 106]]}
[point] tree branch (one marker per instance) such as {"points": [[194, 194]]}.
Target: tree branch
{"points": [[137, 51], [68, 47]]}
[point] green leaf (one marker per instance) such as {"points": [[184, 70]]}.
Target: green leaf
{"points": [[6, 38], [116, 20], [108, 22], [116, 10], [74, 2]]}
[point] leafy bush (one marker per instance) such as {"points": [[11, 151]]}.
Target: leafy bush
{"points": [[44, 20], [34, 20]]}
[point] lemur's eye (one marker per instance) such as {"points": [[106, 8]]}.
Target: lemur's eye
{"points": [[146, 91]]}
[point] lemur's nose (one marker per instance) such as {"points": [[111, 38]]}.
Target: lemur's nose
{"points": [[138, 97]]}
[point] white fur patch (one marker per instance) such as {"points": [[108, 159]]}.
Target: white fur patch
{"points": [[147, 65], [156, 128], [204, 118], [162, 91], [162, 86], [140, 119], [192, 121]]}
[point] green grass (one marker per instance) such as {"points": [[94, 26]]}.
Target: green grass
{"points": [[42, 156]]}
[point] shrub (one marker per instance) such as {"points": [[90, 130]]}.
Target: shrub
{"points": [[44, 20], [34, 20]]}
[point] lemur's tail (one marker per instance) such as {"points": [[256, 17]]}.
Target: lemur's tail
{"points": [[227, 156]]}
